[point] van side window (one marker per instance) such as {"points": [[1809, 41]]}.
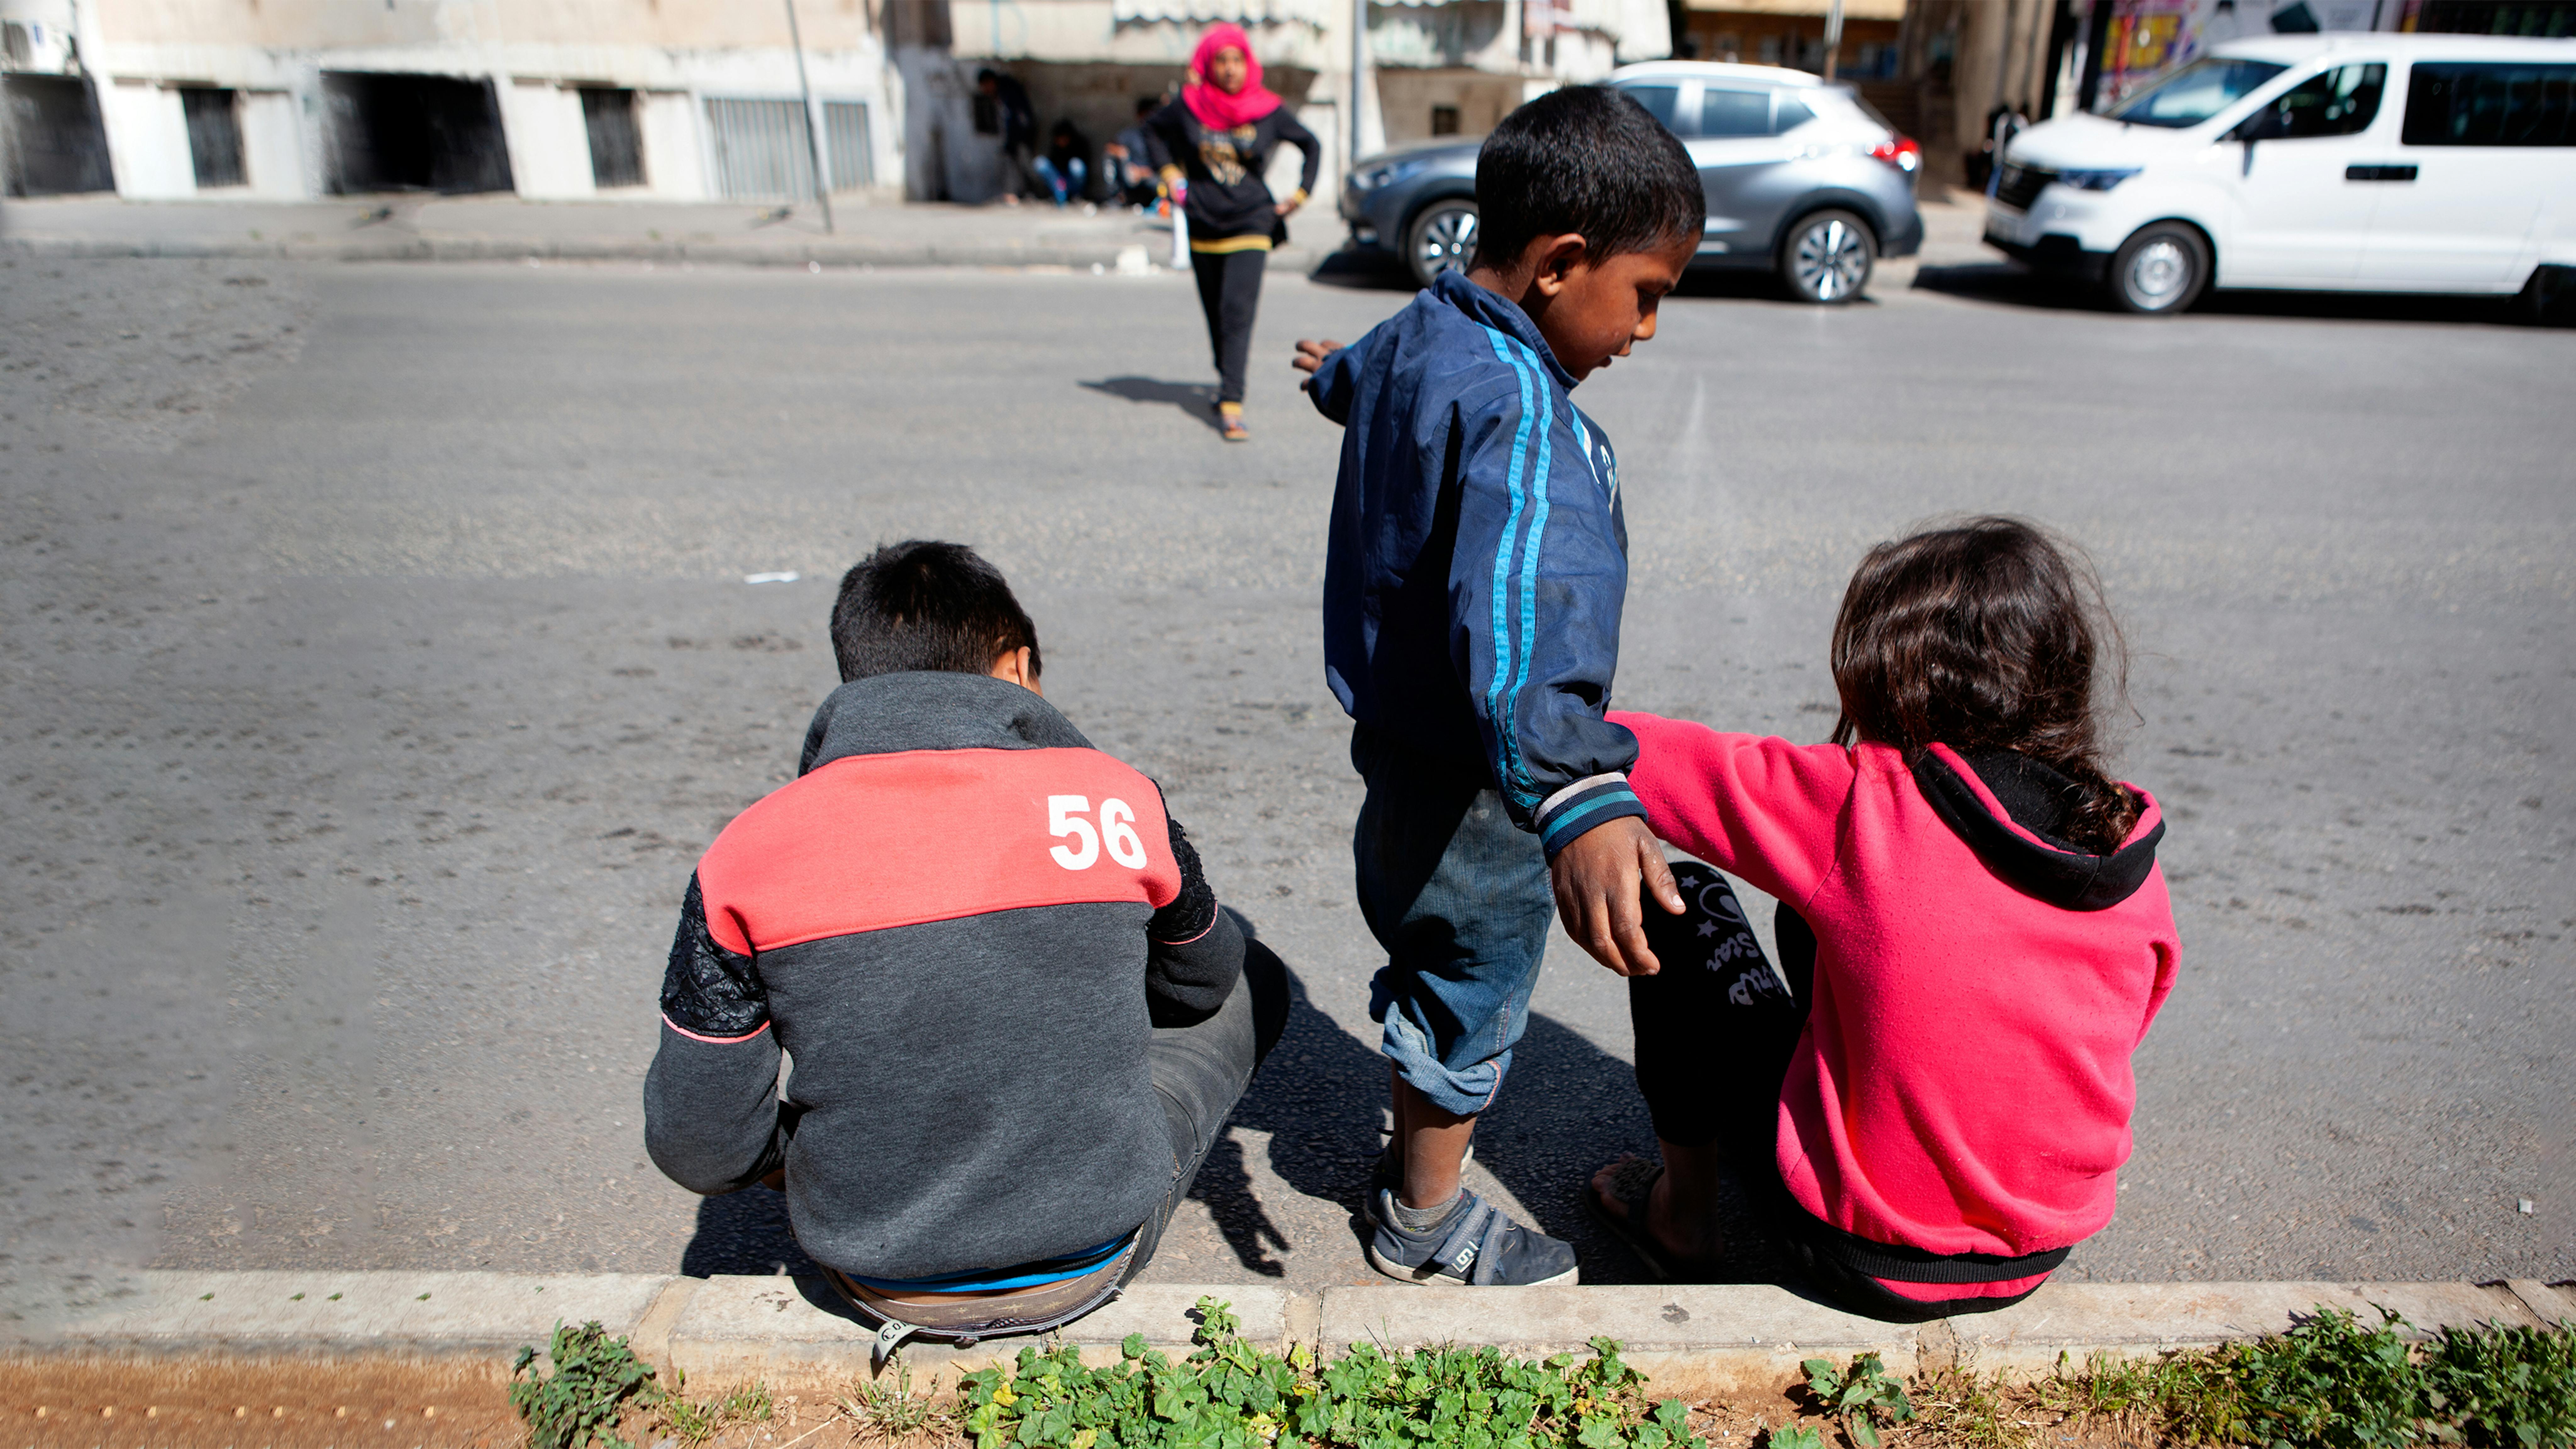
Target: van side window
{"points": [[1734, 113], [2458, 103], [2339, 102]]}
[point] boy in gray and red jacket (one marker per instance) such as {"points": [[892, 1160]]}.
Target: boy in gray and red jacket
{"points": [[1017, 1015]]}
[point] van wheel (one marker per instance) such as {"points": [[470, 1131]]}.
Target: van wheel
{"points": [[1827, 257], [1441, 239], [2160, 269]]}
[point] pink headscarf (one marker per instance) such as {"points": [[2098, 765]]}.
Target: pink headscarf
{"points": [[1215, 109]]}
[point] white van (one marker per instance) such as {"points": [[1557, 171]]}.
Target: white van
{"points": [[2356, 162]]}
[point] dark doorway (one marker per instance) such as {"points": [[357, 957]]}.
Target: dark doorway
{"points": [[214, 136], [50, 139], [415, 133], [616, 148]]}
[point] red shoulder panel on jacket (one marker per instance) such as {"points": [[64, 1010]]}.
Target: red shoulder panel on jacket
{"points": [[876, 841]]}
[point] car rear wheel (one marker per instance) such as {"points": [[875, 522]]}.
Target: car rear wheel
{"points": [[1827, 257], [2161, 269], [1441, 239]]}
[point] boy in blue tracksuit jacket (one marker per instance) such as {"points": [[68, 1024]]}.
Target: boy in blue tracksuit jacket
{"points": [[1472, 590]]}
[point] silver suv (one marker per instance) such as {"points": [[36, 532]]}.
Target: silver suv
{"points": [[1803, 178]]}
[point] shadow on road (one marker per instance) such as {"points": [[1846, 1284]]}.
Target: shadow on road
{"points": [[1569, 1109], [1198, 399], [2008, 285], [745, 1232]]}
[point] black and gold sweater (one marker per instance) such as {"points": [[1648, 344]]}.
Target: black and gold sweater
{"points": [[1230, 207]]}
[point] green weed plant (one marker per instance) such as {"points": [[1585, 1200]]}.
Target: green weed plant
{"points": [[1227, 1394], [1866, 1396], [578, 1404]]}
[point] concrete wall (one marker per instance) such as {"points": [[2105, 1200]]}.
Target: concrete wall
{"points": [[535, 53]]}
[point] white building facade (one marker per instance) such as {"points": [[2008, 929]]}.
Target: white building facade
{"points": [[553, 99]]}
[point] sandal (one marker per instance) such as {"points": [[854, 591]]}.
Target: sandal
{"points": [[1229, 422], [1632, 1186]]}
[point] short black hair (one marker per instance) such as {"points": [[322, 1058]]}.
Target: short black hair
{"points": [[922, 604], [1585, 159], [988, 76], [1148, 105]]}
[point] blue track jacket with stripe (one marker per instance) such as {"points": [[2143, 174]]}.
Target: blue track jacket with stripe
{"points": [[1478, 558]]}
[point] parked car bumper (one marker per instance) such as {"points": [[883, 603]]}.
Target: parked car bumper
{"points": [[2056, 254], [2062, 232]]}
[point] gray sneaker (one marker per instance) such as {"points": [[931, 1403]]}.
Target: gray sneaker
{"points": [[1475, 1245]]}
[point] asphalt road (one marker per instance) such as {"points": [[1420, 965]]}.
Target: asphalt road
{"points": [[378, 659]]}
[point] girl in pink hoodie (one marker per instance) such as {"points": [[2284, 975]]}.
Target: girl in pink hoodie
{"points": [[1929, 1098]]}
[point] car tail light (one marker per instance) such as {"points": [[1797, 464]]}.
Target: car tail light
{"points": [[1899, 152]]}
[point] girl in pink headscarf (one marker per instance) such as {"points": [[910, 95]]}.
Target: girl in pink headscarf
{"points": [[1212, 146]]}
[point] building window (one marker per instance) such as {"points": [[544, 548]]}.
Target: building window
{"points": [[214, 136], [616, 147], [1444, 120]]}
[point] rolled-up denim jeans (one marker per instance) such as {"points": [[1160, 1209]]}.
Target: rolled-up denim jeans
{"points": [[1459, 897]]}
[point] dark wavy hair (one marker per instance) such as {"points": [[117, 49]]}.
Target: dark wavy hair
{"points": [[1987, 634], [924, 604]]}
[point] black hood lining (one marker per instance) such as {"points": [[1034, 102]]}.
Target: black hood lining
{"points": [[2046, 869]]}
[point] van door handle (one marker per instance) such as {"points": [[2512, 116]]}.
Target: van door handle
{"points": [[2379, 173]]}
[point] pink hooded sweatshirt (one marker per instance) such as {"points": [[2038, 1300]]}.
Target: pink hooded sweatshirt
{"points": [[1963, 1085]]}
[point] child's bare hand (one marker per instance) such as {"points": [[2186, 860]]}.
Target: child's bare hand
{"points": [[1596, 879], [1311, 355]]}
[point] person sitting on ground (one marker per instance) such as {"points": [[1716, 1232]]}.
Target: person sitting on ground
{"points": [[1063, 167], [1930, 1101], [1018, 1016], [1477, 565], [1129, 160]]}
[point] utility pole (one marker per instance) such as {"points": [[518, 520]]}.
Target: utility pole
{"points": [[814, 143], [1833, 36], [1359, 71]]}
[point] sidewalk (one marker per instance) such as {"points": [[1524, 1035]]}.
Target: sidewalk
{"points": [[1728, 1339], [413, 228], [410, 228]]}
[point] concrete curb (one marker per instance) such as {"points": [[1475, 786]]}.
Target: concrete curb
{"points": [[1075, 256], [1720, 1339]]}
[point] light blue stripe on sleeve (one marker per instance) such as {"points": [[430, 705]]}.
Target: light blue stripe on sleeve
{"points": [[1529, 572], [1499, 691]]}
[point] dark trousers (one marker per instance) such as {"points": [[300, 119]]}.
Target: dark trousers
{"points": [[1716, 1028], [1229, 292], [1201, 1071]]}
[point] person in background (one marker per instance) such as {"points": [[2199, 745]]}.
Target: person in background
{"points": [[1018, 122], [1128, 160], [1064, 168], [1211, 147]]}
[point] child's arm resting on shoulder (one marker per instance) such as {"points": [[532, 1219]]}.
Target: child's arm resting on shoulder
{"points": [[711, 1096], [1193, 949], [1758, 806]]}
